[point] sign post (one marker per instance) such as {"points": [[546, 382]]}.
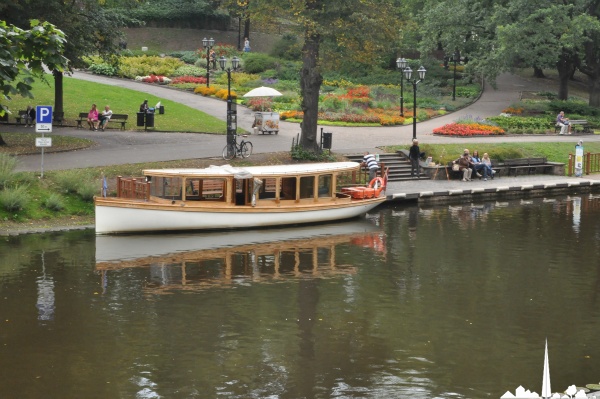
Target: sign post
{"points": [[43, 124], [579, 159]]}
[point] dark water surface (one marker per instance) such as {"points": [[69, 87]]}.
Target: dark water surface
{"points": [[445, 302]]}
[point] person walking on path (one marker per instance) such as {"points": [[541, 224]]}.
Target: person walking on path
{"points": [[370, 163], [29, 116], [414, 153]]}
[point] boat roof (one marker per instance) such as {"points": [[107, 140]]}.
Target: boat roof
{"points": [[249, 171]]}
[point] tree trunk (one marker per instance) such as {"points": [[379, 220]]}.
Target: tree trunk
{"points": [[594, 91], [247, 28], [58, 92], [564, 66], [310, 84], [2, 142], [538, 72]]}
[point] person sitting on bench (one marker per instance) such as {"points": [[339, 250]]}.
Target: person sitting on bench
{"points": [[105, 117], [563, 122], [464, 165]]}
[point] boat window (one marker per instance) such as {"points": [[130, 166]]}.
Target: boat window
{"points": [[166, 187], [307, 187], [288, 188], [345, 179], [268, 188], [205, 189], [325, 185]]}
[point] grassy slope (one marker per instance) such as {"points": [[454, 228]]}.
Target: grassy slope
{"points": [[79, 96]]}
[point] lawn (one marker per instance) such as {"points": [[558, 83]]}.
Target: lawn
{"points": [[79, 96], [554, 152]]}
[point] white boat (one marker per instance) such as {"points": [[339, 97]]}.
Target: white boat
{"points": [[224, 197]]}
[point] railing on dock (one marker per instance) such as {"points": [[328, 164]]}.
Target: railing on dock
{"points": [[591, 163], [133, 188]]}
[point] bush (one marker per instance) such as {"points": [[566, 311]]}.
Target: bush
{"points": [[189, 79], [87, 189], [257, 62], [54, 202], [69, 181], [189, 70], [573, 108], [205, 91], [103, 69], [143, 66], [8, 164], [287, 47], [189, 57], [513, 123], [14, 199]]}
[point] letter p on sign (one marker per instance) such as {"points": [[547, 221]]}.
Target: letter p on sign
{"points": [[43, 114]]}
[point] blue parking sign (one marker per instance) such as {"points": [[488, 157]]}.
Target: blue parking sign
{"points": [[43, 114]]}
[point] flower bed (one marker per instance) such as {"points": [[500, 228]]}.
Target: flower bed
{"points": [[468, 129]]}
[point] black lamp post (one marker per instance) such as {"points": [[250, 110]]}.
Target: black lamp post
{"points": [[455, 59], [208, 45], [231, 105], [401, 64], [415, 82]]}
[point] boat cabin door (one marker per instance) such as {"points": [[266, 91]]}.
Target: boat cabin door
{"points": [[246, 191]]}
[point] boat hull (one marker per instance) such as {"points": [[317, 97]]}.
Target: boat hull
{"points": [[114, 217]]}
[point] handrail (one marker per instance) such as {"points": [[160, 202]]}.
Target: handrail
{"points": [[132, 188], [591, 163]]}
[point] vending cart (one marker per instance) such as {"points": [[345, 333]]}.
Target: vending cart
{"points": [[266, 122]]}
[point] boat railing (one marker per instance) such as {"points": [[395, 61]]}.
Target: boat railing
{"points": [[133, 188]]}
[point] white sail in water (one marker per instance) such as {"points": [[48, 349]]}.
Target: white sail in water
{"points": [[546, 390]]}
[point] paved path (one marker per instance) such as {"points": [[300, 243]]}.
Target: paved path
{"points": [[117, 147]]}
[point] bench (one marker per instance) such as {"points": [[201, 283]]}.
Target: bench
{"points": [[21, 117], [529, 165], [117, 118], [457, 174], [575, 122]]}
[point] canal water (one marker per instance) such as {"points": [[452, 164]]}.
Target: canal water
{"points": [[440, 302]]}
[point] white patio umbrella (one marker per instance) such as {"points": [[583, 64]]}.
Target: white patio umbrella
{"points": [[263, 92]]}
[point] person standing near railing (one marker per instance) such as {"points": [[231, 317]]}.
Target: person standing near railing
{"points": [[414, 153]]}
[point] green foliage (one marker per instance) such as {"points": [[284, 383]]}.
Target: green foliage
{"points": [[288, 47], [130, 67], [25, 54], [189, 70], [470, 91], [513, 123], [288, 70], [178, 12], [54, 202], [573, 108], [332, 104], [141, 53], [70, 180], [257, 62], [189, 57], [103, 69], [299, 154], [8, 164], [14, 199], [87, 189]]}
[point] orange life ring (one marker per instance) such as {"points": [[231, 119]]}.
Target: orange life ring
{"points": [[377, 182]]}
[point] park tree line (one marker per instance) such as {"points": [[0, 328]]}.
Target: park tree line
{"points": [[494, 35]]}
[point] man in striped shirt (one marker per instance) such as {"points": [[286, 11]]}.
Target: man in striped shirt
{"points": [[370, 163]]}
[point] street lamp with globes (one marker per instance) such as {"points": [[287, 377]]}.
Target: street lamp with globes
{"points": [[231, 105], [415, 82], [401, 64], [208, 45]]}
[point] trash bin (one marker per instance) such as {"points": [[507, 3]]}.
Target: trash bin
{"points": [[150, 119], [327, 137], [161, 109], [140, 119]]}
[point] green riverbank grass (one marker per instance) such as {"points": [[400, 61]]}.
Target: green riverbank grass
{"points": [[554, 152], [79, 95]]}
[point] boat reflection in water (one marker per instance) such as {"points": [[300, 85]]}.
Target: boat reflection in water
{"points": [[227, 259]]}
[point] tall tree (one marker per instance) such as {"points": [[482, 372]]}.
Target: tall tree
{"points": [[23, 55], [90, 27], [359, 29]]}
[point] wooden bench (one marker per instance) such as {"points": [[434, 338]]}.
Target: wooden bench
{"points": [[529, 165], [21, 117], [458, 174], [575, 122], [117, 118]]}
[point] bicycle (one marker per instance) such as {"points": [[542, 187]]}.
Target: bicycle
{"points": [[241, 150]]}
